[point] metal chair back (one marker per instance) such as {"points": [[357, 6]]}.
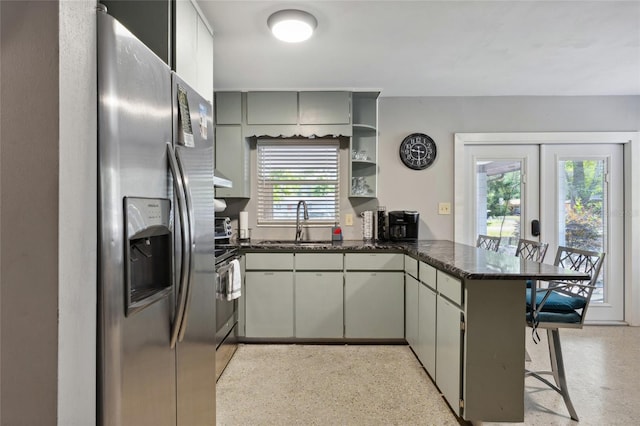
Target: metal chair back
{"points": [[488, 243], [531, 250]]}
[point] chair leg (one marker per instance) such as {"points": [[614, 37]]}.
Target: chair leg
{"points": [[557, 367]]}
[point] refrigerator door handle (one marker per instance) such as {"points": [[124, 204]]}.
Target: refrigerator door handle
{"points": [[185, 242], [191, 266]]}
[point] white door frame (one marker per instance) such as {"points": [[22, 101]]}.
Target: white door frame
{"points": [[631, 142]]}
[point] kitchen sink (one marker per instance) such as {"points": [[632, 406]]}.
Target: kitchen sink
{"points": [[304, 243]]}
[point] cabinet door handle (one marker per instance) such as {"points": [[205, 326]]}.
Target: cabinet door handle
{"points": [[268, 273]]}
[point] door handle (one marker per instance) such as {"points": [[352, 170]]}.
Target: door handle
{"points": [[535, 227], [190, 228], [185, 234]]}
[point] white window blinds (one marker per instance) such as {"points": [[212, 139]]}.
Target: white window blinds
{"points": [[290, 171]]}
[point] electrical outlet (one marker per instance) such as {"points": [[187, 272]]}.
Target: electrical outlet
{"points": [[444, 208], [348, 219]]}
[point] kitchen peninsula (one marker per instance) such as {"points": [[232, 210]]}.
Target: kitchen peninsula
{"points": [[461, 309]]}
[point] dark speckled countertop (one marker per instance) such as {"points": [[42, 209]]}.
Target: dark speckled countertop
{"points": [[460, 260]]}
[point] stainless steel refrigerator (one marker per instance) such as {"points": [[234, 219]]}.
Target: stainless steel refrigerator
{"points": [[156, 345]]}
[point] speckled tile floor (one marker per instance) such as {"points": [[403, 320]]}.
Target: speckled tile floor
{"points": [[385, 385], [328, 385]]}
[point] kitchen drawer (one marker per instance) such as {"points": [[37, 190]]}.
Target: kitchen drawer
{"points": [[450, 287], [374, 261], [269, 261], [428, 275], [319, 261], [411, 266]]}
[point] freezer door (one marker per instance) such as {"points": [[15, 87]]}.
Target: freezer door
{"points": [[196, 345], [136, 367]]}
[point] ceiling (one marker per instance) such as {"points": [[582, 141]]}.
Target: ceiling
{"points": [[433, 48]]}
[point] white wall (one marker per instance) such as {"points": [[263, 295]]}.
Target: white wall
{"points": [[77, 242]]}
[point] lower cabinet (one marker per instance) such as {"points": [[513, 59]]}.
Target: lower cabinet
{"points": [[411, 309], [448, 351], [318, 305], [269, 303], [426, 346], [374, 305]]}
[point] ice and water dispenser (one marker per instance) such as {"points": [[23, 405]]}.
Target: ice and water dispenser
{"points": [[148, 251]]}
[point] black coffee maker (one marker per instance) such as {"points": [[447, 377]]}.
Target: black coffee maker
{"points": [[403, 225]]}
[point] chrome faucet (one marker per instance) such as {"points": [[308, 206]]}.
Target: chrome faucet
{"points": [[306, 217]]}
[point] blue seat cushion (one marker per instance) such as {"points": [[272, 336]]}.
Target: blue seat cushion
{"points": [[563, 317], [556, 302]]}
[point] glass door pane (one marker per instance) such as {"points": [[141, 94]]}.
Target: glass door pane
{"points": [[585, 210], [582, 209], [498, 192]]}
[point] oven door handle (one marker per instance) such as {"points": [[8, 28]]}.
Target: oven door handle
{"points": [[185, 233]]}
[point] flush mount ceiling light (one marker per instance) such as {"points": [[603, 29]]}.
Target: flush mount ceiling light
{"points": [[292, 25]]}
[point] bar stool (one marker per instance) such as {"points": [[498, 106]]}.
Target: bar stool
{"points": [[563, 304], [488, 243]]}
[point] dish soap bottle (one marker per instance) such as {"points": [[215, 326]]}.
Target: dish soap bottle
{"points": [[336, 233]]}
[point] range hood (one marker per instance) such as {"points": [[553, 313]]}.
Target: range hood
{"points": [[220, 180]]}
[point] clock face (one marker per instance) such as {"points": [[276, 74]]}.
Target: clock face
{"points": [[418, 151]]}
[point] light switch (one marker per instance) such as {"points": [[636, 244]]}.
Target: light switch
{"points": [[444, 208], [348, 219]]}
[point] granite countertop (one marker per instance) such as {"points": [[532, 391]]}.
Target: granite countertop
{"points": [[460, 260]]}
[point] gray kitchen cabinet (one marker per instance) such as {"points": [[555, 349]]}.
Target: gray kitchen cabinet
{"points": [[449, 338], [268, 295], [324, 107], [318, 304], [319, 261], [204, 60], [269, 304], [228, 106], [269, 261], [272, 108], [232, 161], [427, 300], [193, 49], [411, 311], [426, 347], [374, 305], [363, 166], [374, 261], [448, 352], [232, 148], [411, 266]]}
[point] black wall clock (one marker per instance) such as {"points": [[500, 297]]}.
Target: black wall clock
{"points": [[418, 151]]}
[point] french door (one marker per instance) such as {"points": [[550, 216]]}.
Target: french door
{"points": [[561, 194]]}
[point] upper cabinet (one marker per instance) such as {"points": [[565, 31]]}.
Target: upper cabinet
{"points": [[324, 107], [231, 147], [244, 115], [228, 108], [304, 114], [193, 48], [176, 31], [272, 108]]}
